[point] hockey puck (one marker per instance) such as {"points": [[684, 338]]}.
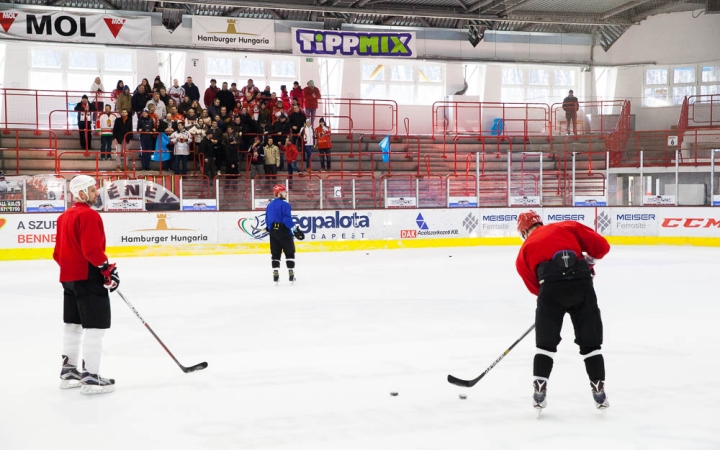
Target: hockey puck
{"points": [[394, 394], [463, 397]]}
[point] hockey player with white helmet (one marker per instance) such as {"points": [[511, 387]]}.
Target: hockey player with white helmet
{"points": [[86, 277]]}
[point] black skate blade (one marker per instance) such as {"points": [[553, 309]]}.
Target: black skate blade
{"points": [[195, 368]]}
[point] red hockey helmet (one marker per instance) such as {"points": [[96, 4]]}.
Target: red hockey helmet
{"points": [[526, 220], [278, 188]]}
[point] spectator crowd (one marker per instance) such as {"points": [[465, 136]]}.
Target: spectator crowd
{"points": [[230, 129]]}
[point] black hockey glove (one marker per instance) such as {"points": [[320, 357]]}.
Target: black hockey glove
{"points": [[110, 273], [299, 235]]}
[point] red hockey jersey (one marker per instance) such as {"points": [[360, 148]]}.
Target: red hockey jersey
{"points": [[80, 240]]}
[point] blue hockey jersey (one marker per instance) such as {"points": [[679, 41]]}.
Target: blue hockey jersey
{"points": [[280, 212]]}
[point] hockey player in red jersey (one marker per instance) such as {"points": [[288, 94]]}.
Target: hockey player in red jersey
{"points": [[556, 263], [86, 277]]}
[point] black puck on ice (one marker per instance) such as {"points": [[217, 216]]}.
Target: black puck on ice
{"points": [[394, 394], [463, 397]]}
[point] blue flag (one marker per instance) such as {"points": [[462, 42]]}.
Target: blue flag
{"points": [[385, 148], [161, 149]]}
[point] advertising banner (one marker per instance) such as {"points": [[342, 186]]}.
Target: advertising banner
{"points": [[45, 193], [353, 44], [233, 33], [64, 26], [462, 202], [28, 231], [525, 200], [199, 204], [628, 221], [324, 225], [160, 229], [136, 195], [432, 223], [659, 200], [716, 200], [582, 200], [400, 202]]}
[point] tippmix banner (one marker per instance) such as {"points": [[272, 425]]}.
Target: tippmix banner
{"points": [[63, 26], [233, 33], [353, 43]]}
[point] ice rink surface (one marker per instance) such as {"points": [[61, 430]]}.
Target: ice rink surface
{"points": [[311, 366]]}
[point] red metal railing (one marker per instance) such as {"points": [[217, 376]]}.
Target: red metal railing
{"points": [[370, 116], [702, 111], [29, 108], [479, 118], [50, 149], [600, 108]]}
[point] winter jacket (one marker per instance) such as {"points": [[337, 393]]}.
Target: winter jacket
{"points": [[124, 101], [259, 159], [210, 94], [121, 129], [192, 91], [310, 101], [298, 94], [272, 155]]}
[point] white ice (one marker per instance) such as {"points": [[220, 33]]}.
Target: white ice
{"points": [[311, 366]]}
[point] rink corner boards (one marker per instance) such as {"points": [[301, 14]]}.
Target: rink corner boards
{"points": [[7, 254]]}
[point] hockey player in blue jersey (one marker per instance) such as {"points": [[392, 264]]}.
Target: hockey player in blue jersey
{"points": [[278, 217]]}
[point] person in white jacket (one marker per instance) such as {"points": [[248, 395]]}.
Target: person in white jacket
{"points": [[160, 108], [181, 140], [106, 123], [308, 135], [177, 92]]}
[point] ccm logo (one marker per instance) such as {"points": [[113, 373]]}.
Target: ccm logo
{"points": [[404, 234], [691, 223]]}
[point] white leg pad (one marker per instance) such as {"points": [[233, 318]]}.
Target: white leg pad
{"points": [[72, 337], [92, 349]]}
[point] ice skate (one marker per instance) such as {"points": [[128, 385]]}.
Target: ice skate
{"points": [[539, 394], [276, 277], [95, 384], [291, 274], [69, 375], [598, 392]]}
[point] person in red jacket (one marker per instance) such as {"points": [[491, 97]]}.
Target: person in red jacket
{"points": [[210, 93], [86, 277], [556, 263], [311, 94]]}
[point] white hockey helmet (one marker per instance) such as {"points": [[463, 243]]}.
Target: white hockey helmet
{"points": [[81, 183]]}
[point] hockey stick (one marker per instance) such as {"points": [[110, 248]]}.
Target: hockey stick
{"points": [[194, 368], [470, 383]]}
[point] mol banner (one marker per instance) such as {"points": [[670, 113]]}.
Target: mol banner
{"points": [[369, 44], [233, 33], [64, 26]]}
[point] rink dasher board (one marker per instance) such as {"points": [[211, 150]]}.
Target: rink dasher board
{"points": [[32, 236]]}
